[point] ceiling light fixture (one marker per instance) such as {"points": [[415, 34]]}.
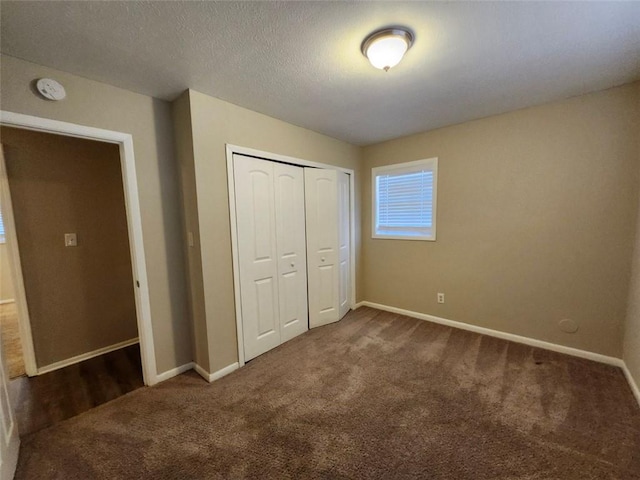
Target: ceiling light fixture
{"points": [[385, 48]]}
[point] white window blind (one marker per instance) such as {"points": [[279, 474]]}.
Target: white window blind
{"points": [[404, 199]]}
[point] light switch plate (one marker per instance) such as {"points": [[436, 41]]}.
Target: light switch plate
{"points": [[70, 240]]}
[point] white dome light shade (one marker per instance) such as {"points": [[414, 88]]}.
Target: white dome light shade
{"points": [[385, 48], [386, 52]]}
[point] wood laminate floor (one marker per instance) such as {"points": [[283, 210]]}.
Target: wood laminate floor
{"points": [[44, 400], [11, 345]]}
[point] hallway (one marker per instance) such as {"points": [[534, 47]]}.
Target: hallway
{"points": [[11, 345], [47, 399]]}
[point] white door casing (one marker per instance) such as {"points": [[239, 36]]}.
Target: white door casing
{"points": [[256, 222], [9, 438], [321, 200], [344, 243], [15, 269], [292, 250]]}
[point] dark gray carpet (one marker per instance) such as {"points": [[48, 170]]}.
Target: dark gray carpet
{"points": [[375, 396]]}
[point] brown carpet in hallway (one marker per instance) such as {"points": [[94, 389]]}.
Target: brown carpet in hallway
{"points": [[377, 395], [11, 345]]}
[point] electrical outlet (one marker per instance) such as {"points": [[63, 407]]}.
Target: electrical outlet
{"points": [[441, 298]]}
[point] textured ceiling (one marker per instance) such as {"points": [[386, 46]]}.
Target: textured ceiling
{"points": [[301, 61]]}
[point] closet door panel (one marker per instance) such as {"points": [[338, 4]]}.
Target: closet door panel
{"points": [[257, 252], [344, 240], [321, 199], [291, 248]]}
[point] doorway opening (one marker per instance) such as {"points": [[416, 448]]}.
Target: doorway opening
{"points": [[73, 245]]}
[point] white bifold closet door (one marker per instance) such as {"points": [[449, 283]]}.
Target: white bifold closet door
{"points": [[344, 241], [271, 252], [327, 217]]}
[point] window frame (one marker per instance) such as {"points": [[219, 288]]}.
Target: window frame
{"points": [[399, 168]]}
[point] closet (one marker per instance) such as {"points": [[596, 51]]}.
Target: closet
{"points": [[293, 246]]}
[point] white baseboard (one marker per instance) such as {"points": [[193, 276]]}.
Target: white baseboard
{"points": [[201, 371], [211, 377], [576, 352], [174, 372], [8, 300], [224, 371], [85, 356], [632, 382]]}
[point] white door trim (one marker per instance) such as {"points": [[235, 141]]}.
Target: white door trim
{"points": [[231, 149], [24, 325], [134, 223]]}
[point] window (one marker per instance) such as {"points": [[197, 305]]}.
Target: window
{"points": [[2, 236], [404, 200]]}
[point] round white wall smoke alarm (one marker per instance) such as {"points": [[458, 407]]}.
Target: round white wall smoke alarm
{"points": [[50, 89], [568, 326]]}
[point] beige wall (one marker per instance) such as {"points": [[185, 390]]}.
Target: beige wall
{"points": [[6, 283], [536, 219], [214, 124], [80, 298], [184, 152], [632, 325], [148, 120]]}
